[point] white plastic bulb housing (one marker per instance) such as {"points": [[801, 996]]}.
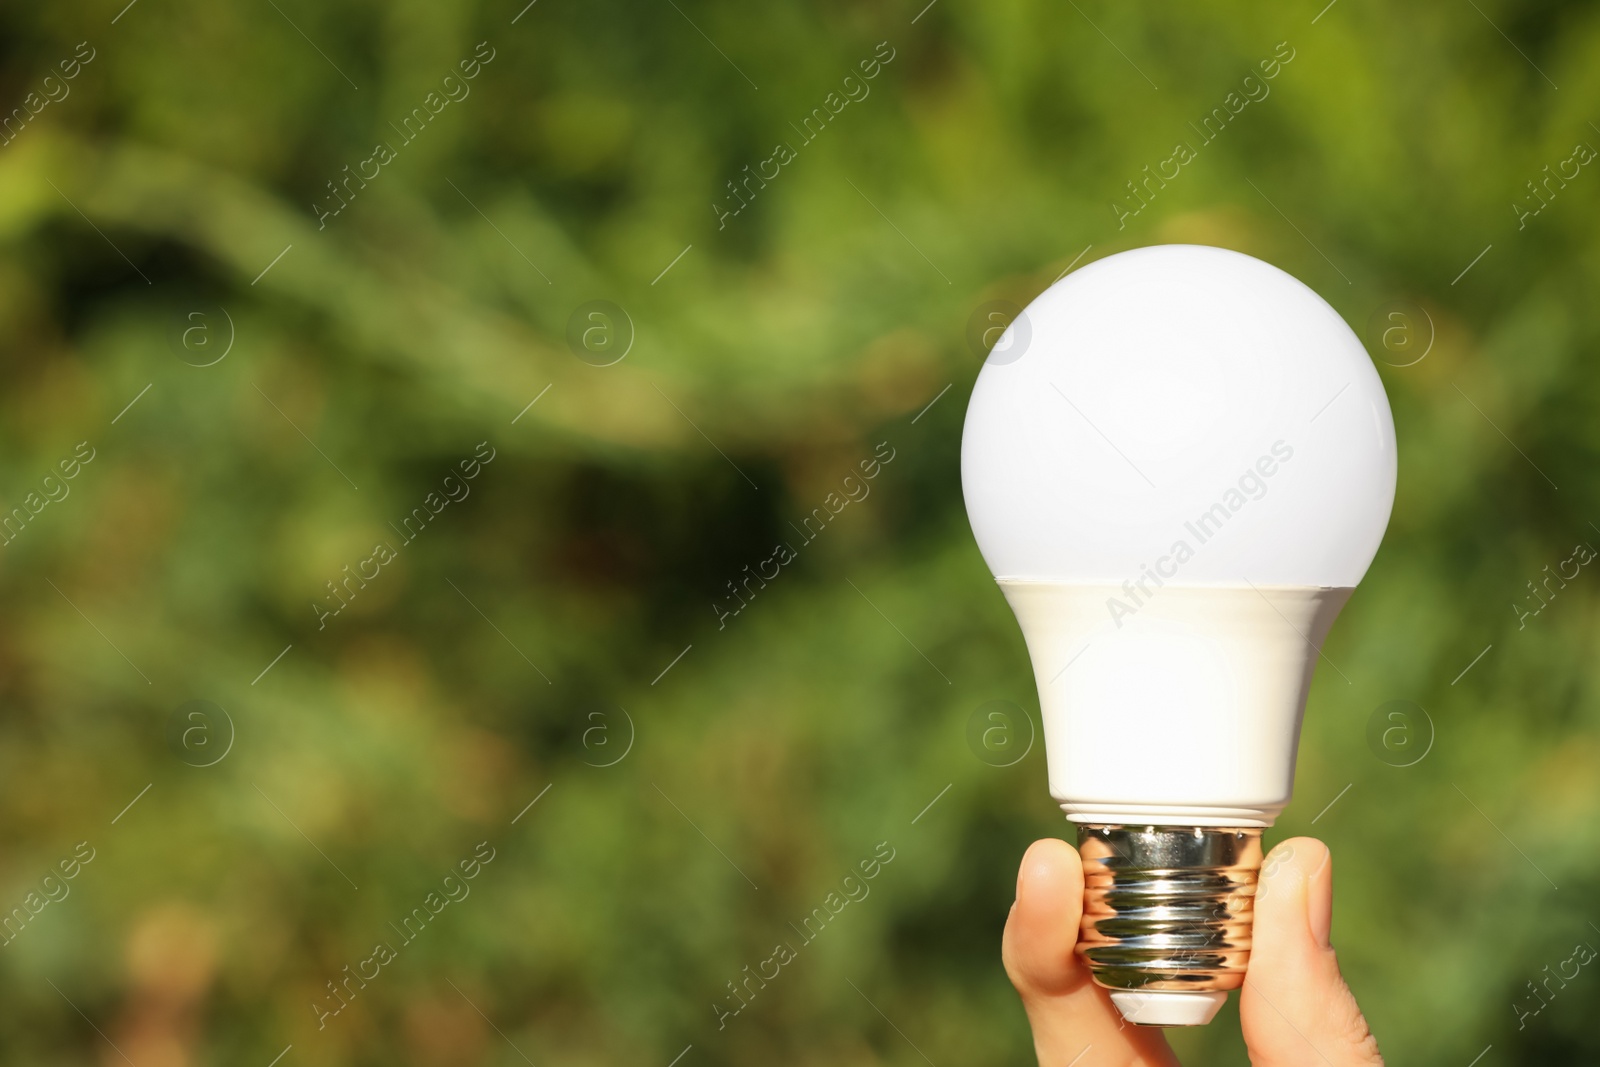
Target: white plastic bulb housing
{"points": [[1178, 462]]}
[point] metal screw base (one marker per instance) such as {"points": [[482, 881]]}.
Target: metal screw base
{"points": [[1168, 908]]}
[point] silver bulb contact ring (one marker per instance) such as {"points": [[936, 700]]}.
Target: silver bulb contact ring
{"points": [[1168, 908]]}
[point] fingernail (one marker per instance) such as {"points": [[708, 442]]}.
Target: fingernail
{"points": [[1327, 854], [1319, 905]]}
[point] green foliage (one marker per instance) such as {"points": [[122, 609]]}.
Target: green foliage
{"points": [[525, 634]]}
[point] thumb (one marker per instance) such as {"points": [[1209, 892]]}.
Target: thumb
{"points": [[1073, 1020], [1295, 1007]]}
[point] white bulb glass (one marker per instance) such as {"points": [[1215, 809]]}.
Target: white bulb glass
{"points": [[1152, 381]]}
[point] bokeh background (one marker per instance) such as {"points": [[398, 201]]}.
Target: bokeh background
{"points": [[266, 395]]}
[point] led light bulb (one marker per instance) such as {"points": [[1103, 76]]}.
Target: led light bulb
{"points": [[1177, 477]]}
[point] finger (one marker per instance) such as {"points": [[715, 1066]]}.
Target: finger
{"points": [[1296, 1008], [1068, 1012]]}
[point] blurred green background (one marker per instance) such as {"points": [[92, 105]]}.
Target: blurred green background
{"points": [[704, 781]]}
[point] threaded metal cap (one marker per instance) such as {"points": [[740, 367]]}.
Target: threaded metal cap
{"points": [[1168, 908]]}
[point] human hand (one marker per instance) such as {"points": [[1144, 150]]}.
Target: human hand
{"points": [[1295, 1008]]}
